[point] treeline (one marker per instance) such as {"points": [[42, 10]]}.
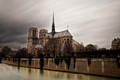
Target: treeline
{"points": [[98, 54], [23, 53]]}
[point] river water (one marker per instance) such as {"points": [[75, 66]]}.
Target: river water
{"points": [[8, 72]]}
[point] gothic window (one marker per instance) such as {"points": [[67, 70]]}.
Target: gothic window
{"points": [[67, 40], [44, 35], [34, 33]]}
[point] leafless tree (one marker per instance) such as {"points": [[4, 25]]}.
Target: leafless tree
{"points": [[5, 51], [67, 50], [51, 48]]}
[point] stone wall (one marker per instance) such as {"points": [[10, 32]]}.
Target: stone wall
{"points": [[103, 67]]}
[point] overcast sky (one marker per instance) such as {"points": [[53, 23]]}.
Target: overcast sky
{"points": [[89, 21]]}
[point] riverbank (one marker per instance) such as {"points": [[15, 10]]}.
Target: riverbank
{"points": [[99, 67], [9, 72]]}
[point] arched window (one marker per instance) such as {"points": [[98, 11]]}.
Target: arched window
{"points": [[67, 40], [34, 33]]}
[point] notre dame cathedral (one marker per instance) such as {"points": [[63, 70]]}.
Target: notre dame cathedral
{"points": [[52, 43]]}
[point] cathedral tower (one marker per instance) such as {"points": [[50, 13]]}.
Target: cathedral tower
{"points": [[32, 38], [42, 35]]}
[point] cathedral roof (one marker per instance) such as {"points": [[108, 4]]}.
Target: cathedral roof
{"points": [[59, 34]]}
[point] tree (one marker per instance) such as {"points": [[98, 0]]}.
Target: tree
{"points": [[68, 61], [57, 60], [115, 44], [5, 51], [30, 56], [22, 53], [51, 49], [67, 49], [0, 57], [0, 54], [96, 46], [90, 47], [118, 45], [41, 56]]}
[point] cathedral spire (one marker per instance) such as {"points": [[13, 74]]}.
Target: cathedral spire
{"points": [[53, 26]]}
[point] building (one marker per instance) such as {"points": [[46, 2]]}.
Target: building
{"points": [[115, 44], [52, 43]]}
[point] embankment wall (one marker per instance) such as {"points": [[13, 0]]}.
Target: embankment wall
{"points": [[102, 67]]}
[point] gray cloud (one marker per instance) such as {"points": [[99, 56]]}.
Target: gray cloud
{"points": [[89, 21]]}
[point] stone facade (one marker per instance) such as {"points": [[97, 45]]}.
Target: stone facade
{"points": [[102, 67], [115, 44], [32, 39], [62, 41]]}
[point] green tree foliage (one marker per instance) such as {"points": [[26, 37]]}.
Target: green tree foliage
{"points": [[41, 63], [30, 56], [74, 62], [30, 59], [41, 56], [68, 61], [61, 60], [18, 61], [57, 60], [89, 61]]}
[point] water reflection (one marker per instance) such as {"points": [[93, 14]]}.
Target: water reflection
{"points": [[41, 72], [29, 70], [14, 73]]}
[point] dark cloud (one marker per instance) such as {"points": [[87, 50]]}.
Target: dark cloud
{"points": [[89, 21], [12, 32]]}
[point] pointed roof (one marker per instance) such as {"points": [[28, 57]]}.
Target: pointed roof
{"points": [[59, 34], [53, 26], [62, 34]]}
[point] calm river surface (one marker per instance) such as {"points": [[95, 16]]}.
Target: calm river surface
{"points": [[14, 73]]}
